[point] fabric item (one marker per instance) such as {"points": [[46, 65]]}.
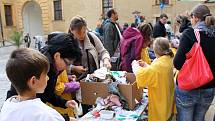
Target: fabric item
{"points": [[207, 43], [145, 56], [29, 110], [201, 26], [60, 91], [71, 87], [190, 77], [135, 66], [193, 105], [113, 89], [112, 100], [130, 48], [159, 30], [158, 77], [111, 37]]}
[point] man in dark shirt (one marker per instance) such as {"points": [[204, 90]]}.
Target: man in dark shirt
{"points": [[159, 28]]}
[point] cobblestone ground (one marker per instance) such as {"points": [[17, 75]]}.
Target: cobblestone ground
{"points": [[4, 83]]}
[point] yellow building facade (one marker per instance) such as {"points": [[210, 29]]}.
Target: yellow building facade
{"points": [[40, 17]]}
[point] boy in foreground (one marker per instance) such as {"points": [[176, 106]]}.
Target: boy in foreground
{"points": [[27, 70]]}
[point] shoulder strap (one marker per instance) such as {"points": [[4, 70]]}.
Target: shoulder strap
{"points": [[88, 60], [91, 39], [197, 34]]}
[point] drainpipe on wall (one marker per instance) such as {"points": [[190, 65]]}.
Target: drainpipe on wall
{"points": [[1, 25]]}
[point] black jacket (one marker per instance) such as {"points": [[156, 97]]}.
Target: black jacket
{"points": [[185, 25], [208, 46], [159, 30]]}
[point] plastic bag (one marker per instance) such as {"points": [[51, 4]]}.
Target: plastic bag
{"points": [[196, 71]]}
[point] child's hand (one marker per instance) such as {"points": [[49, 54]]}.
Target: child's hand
{"points": [[71, 104]]}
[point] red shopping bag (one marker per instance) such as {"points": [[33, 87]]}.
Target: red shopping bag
{"points": [[196, 71]]}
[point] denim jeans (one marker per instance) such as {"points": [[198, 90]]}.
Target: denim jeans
{"points": [[193, 105]]}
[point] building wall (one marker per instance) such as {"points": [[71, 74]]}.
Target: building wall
{"points": [[91, 10], [149, 9], [7, 30]]}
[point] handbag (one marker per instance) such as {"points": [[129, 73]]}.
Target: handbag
{"points": [[196, 71]]}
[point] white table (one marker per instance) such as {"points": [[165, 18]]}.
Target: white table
{"points": [[90, 117]]}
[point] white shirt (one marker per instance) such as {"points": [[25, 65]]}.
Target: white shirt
{"points": [[29, 110]]}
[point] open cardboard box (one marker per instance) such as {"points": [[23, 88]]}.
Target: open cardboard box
{"points": [[91, 90]]}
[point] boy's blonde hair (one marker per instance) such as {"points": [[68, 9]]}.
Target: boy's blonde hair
{"points": [[161, 47]]}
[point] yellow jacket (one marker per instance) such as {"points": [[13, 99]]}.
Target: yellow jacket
{"points": [[145, 56], [59, 89], [158, 77], [174, 50]]}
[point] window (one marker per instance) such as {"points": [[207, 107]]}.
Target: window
{"points": [[8, 15], [106, 5], [157, 2], [57, 10]]}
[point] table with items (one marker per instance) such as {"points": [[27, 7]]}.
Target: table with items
{"points": [[116, 98], [139, 113]]}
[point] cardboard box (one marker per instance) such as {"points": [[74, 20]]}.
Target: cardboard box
{"points": [[91, 90]]}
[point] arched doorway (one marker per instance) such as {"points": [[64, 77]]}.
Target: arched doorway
{"points": [[32, 19]]}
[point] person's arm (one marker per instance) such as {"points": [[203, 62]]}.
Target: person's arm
{"points": [[147, 76], [186, 42]]}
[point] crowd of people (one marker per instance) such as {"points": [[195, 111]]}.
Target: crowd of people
{"points": [[153, 53]]}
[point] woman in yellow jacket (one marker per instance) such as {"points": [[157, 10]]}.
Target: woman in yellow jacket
{"points": [[158, 77], [64, 87]]}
